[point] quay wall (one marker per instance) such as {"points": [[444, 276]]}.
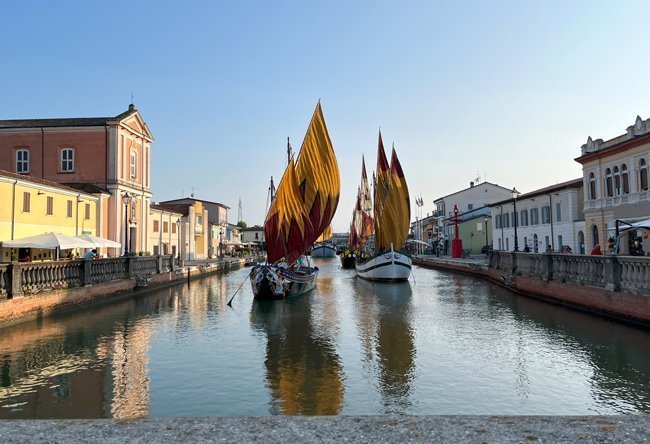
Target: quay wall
{"points": [[32, 291], [549, 280]]}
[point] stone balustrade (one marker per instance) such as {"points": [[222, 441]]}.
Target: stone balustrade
{"points": [[616, 273], [26, 278]]}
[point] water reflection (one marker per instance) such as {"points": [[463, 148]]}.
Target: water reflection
{"points": [[383, 318], [303, 370]]}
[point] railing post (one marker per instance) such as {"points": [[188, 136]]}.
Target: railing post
{"points": [[613, 272], [85, 273], [548, 267], [159, 266], [15, 281], [130, 266]]}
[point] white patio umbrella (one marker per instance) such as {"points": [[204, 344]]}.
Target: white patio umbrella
{"points": [[48, 241], [99, 241]]}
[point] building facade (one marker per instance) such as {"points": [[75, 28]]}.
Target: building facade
{"points": [[33, 206], [109, 153], [164, 228], [194, 228], [547, 219], [253, 234], [616, 178]]}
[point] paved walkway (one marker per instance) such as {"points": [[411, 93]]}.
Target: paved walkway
{"points": [[337, 429]]}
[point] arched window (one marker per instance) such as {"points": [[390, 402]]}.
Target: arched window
{"points": [[581, 242], [594, 236], [617, 181], [22, 161], [643, 175], [609, 185], [625, 178], [592, 186], [535, 244], [67, 160]]}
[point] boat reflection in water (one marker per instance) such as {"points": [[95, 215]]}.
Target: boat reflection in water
{"points": [[303, 370], [383, 316]]}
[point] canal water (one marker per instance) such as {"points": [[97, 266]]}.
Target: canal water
{"points": [[439, 344]]}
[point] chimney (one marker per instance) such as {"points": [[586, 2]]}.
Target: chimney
{"points": [[471, 184]]}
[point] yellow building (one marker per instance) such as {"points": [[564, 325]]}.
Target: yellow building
{"points": [[194, 227], [30, 206]]}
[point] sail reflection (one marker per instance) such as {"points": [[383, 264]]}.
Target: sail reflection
{"points": [[384, 319], [303, 369]]}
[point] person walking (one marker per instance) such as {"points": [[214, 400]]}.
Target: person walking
{"points": [[596, 250]]}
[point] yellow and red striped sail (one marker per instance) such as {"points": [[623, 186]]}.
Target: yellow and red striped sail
{"points": [[392, 205], [327, 234], [307, 196], [366, 222]]}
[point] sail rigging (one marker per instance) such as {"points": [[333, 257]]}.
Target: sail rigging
{"points": [[307, 196]]}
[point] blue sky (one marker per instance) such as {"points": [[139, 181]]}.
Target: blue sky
{"points": [[508, 90]]}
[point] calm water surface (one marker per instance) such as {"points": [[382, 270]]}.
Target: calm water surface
{"points": [[444, 344]]}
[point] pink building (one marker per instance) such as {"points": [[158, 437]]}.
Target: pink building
{"points": [[101, 153]]}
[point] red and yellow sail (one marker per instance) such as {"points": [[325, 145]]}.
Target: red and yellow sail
{"points": [[392, 205], [326, 235], [306, 198], [365, 222]]}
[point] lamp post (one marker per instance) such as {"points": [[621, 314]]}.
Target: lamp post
{"points": [[515, 195], [126, 198], [178, 239]]}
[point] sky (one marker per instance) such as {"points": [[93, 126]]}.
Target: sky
{"points": [[504, 90]]}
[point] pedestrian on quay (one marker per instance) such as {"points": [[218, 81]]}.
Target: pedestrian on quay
{"points": [[526, 249], [596, 250], [92, 254]]}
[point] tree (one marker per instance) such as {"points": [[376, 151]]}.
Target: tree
{"points": [[241, 224]]}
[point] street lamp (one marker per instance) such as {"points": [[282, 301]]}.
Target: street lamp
{"points": [[127, 199], [515, 195], [178, 238]]}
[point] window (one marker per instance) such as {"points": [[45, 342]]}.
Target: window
{"points": [[506, 220], [87, 215], [165, 227], [173, 228], [256, 236], [617, 181], [156, 226], [470, 207], [133, 165], [500, 246], [643, 175], [497, 221], [592, 186], [546, 215], [22, 161], [609, 185], [67, 160], [558, 212], [50, 206], [625, 177], [523, 218], [559, 242], [26, 202], [69, 209], [534, 216], [546, 239], [199, 221], [507, 244]]}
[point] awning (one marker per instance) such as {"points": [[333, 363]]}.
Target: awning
{"points": [[48, 241], [99, 241], [626, 226]]}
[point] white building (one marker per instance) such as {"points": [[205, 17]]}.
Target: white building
{"points": [[549, 217], [476, 196], [253, 234]]}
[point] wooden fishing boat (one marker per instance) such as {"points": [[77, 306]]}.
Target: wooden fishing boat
{"points": [[301, 210], [392, 212], [324, 246]]}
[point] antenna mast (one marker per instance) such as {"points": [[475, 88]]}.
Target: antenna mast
{"points": [[239, 215]]}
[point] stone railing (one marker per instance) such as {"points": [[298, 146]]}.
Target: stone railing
{"points": [[617, 273], [18, 279]]}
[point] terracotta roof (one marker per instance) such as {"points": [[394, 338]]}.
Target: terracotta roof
{"points": [[575, 183], [87, 187], [66, 121], [174, 201], [470, 187], [32, 179], [183, 209]]}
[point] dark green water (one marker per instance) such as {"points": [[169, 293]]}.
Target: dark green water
{"points": [[444, 344]]}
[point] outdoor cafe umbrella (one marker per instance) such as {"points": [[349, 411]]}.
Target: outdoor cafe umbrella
{"points": [[99, 241], [48, 241]]}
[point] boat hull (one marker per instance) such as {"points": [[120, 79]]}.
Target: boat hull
{"points": [[323, 250], [273, 282], [390, 266], [347, 260]]}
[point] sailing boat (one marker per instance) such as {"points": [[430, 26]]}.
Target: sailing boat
{"points": [[349, 254], [303, 207], [324, 246], [392, 212]]}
